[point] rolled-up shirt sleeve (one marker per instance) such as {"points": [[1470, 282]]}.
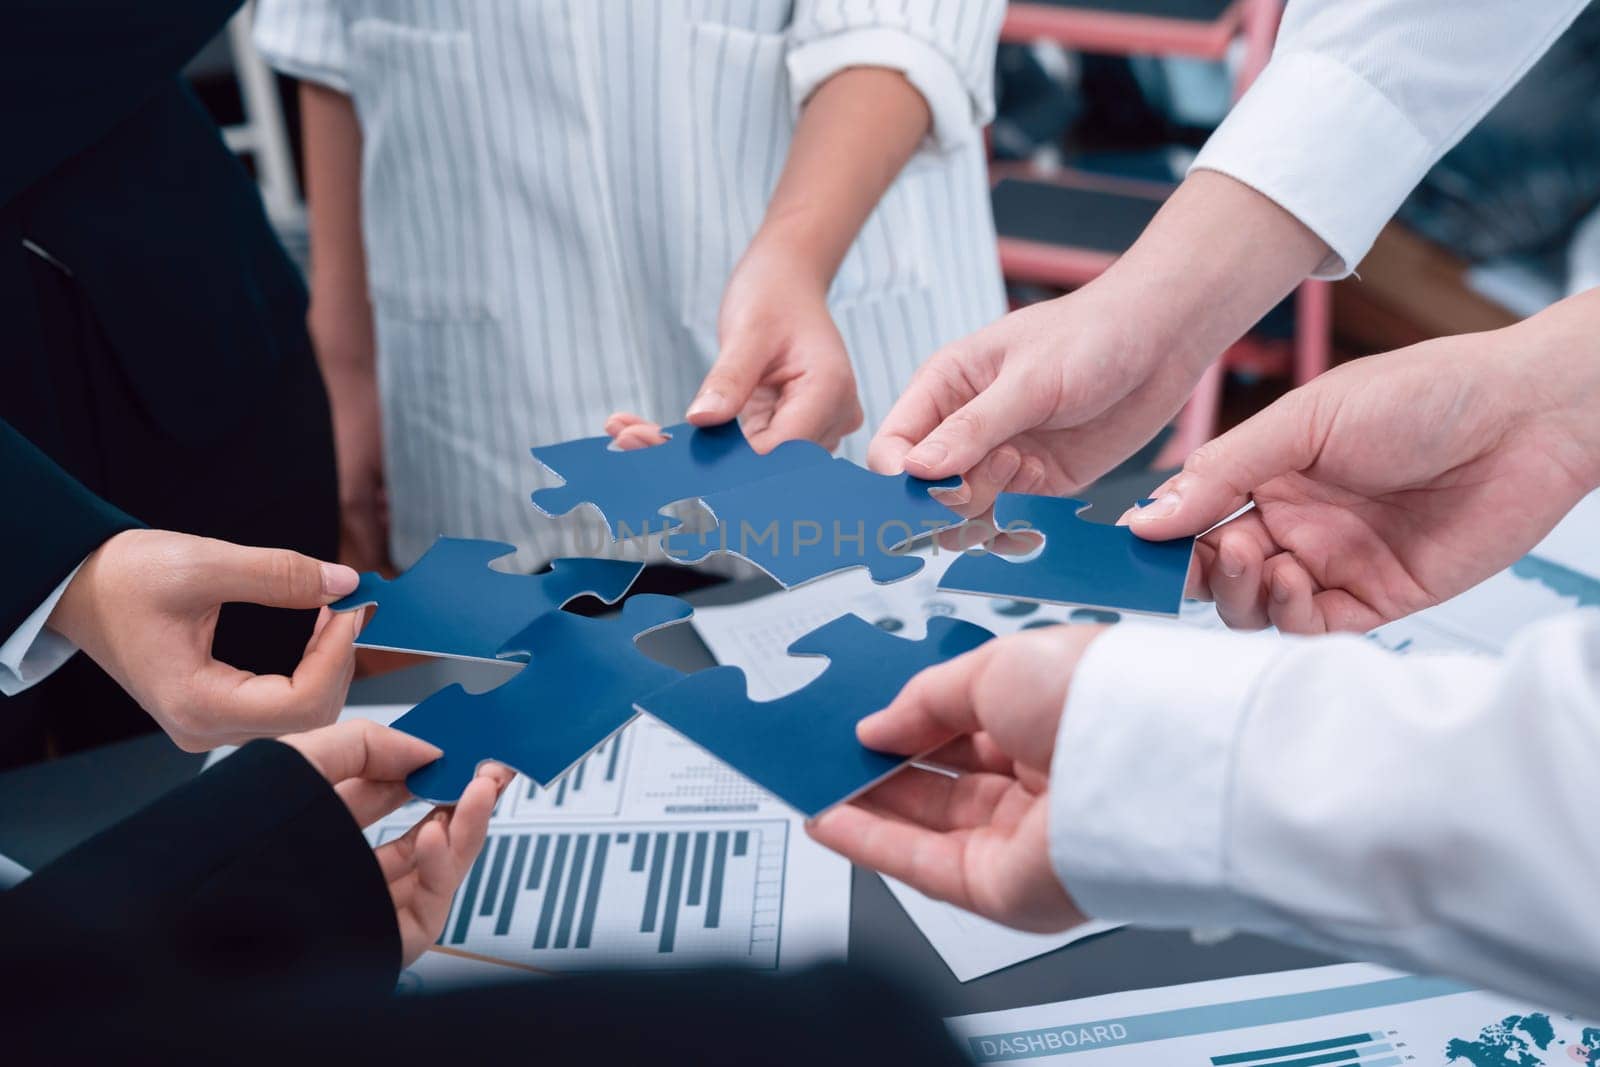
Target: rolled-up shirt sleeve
{"points": [[1360, 100], [306, 39], [1430, 812], [33, 652], [946, 51]]}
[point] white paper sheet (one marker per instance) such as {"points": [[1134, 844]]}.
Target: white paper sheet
{"points": [[1575, 542], [1375, 1017], [972, 946]]}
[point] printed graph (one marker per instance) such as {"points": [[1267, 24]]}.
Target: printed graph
{"points": [[1375, 1049], [660, 895], [593, 787]]}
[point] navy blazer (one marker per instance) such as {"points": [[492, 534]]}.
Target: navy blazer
{"points": [[114, 170], [52, 523], [242, 919]]}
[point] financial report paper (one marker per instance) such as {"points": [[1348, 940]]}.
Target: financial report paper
{"points": [[649, 854], [1350, 1015]]}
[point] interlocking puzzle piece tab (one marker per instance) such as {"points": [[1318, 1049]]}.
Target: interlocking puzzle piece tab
{"points": [[820, 520], [802, 747], [630, 488], [1081, 563], [451, 603], [580, 684]]}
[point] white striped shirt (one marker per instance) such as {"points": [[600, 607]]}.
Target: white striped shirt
{"points": [[555, 192]]}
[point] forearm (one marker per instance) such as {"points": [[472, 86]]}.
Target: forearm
{"points": [[1430, 812], [341, 311], [855, 135], [1215, 259]]}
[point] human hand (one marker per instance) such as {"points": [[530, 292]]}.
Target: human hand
{"points": [[978, 840], [346, 352], [1043, 401], [1051, 397], [144, 606], [367, 766], [783, 370], [1394, 482]]}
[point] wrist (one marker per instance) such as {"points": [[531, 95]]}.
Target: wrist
{"points": [[76, 611], [1551, 365], [792, 239], [1217, 257]]}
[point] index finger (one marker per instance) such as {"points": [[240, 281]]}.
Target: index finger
{"points": [[931, 398], [932, 708], [927, 860], [361, 748]]}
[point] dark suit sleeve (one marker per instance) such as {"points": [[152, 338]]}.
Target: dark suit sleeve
{"points": [[252, 876], [70, 70], [51, 523]]}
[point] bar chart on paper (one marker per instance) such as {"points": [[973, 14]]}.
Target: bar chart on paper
{"points": [[1347, 1015], [648, 854], [1379, 1048], [646, 895]]}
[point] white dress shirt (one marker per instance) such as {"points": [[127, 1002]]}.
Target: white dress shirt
{"points": [[1362, 97], [1432, 812], [556, 191], [1436, 812]]}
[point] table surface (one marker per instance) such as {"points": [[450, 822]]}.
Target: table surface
{"points": [[47, 808]]}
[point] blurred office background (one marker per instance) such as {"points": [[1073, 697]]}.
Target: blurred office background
{"points": [[1102, 105]]}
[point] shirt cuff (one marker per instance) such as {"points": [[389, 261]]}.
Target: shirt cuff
{"points": [[33, 652], [1326, 146], [957, 118], [1140, 777]]}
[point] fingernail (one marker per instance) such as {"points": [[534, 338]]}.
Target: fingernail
{"points": [[1280, 590], [1163, 507], [928, 454], [954, 496], [707, 403], [339, 580], [1232, 564]]}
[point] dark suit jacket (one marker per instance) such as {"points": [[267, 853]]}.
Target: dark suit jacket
{"points": [[54, 523], [113, 169], [152, 329], [242, 919]]}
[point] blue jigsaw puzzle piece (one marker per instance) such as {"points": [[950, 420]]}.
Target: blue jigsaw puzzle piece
{"points": [[820, 520], [451, 603], [1081, 563], [802, 747], [579, 687], [630, 488]]}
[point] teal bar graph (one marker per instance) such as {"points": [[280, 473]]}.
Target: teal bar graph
{"points": [[650, 892], [1349, 1041]]}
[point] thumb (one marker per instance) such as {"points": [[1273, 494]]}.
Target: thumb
{"points": [[1005, 409], [273, 577], [1219, 476], [727, 388]]}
